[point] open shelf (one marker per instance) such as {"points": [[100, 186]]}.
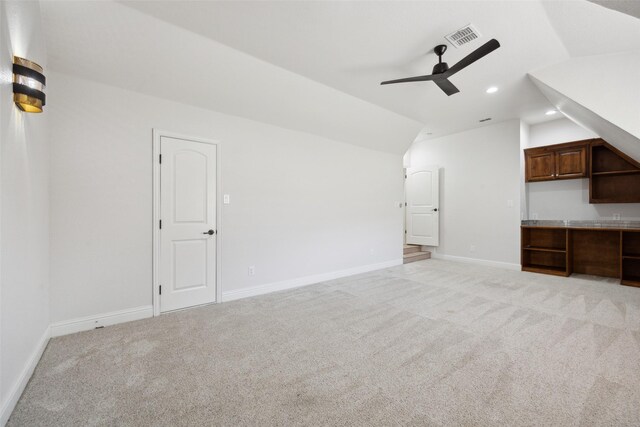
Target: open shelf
{"points": [[616, 188], [630, 271], [631, 244], [533, 248], [553, 262], [615, 177], [610, 173], [544, 250], [631, 282], [538, 238], [605, 158], [535, 268]]}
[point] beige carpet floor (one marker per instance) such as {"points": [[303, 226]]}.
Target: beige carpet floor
{"points": [[429, 343]]}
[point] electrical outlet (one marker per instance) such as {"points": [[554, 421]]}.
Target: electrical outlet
{"points": [[472, 248], [252, 270], [509, 203], [534, 215], [616, 216]]}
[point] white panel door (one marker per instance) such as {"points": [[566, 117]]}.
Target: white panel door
{"points": [[422, 208], [187, 269]]}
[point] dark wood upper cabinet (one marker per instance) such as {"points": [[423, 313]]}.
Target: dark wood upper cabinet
{"points": [[540, 166], [613, 176], [571, 162], [561, 161]]}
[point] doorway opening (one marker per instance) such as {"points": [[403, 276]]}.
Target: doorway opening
{"points": [[422, 212]]}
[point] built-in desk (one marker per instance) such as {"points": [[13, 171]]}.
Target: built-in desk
{"points": [[600, 248]]}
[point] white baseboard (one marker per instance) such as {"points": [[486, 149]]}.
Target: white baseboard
{"points": [[91, 322], [304, 281], [18, 387], [484, 262]]}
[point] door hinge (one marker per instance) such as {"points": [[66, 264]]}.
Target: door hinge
{"points": [[405, 231], [160, 158], [160, 224], [405, 177], [405, 203], [160, 288]]}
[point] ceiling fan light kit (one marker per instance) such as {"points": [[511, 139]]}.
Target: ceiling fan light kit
{"points": [[441, 71]]}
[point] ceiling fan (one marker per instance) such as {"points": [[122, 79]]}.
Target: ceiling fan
{"points": [[442, 72]]}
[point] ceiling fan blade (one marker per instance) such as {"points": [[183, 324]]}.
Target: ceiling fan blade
{"points": [[446, 86], [483, 50], [410, 79]]}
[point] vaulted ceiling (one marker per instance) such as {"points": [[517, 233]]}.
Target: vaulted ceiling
{"points": [[351, 46]]}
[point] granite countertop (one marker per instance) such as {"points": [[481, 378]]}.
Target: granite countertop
{"points": [[617, 224]]}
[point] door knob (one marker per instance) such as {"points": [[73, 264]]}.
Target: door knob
{"points": [[435, 210], [210, 232]]}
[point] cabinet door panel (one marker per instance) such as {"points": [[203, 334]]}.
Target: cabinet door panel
{"points": [[571, 162], [540, 166]]}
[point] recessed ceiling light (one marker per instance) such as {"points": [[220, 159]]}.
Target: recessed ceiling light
{"points": [[492, 89], [551, 112]]}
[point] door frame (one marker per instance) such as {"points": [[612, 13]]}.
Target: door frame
{"points": [[157, 135]]}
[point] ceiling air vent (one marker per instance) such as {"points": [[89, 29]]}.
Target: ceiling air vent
{"points": [[464, 35]]}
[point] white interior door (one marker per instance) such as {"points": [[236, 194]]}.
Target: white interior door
{"points": [[187, 258], [422, 208]]}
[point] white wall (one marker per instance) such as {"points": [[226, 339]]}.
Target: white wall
{"points": [[525, 135], [556, 132], [24, 201], [568, 199], [301, 205], [480, 172]]}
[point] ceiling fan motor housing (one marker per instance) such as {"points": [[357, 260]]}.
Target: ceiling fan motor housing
{"points": [[440, 68]]}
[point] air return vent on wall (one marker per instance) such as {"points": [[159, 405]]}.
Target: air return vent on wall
{"points": [[464, 35]]}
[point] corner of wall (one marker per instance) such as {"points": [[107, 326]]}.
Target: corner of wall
{"points": [[24, 217], [524, 143]]}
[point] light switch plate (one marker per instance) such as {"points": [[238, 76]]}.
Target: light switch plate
{"points": [[226, 199]]}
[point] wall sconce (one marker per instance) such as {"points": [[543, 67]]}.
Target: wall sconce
{"points": [[28, 85]]}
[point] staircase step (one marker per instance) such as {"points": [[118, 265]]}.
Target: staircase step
{"points": [[416, 256], [409, 249]]}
